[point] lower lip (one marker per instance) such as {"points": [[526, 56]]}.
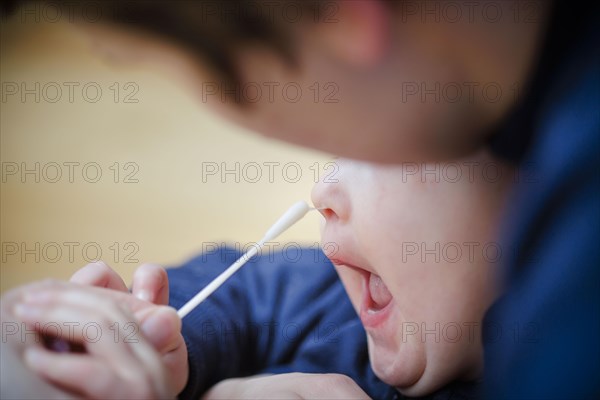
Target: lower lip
{"points": [[370, 316]]}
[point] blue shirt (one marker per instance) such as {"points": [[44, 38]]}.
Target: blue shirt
{"points": [[542, 337]]}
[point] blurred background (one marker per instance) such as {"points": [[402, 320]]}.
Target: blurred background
{"points": [[116, 162]]}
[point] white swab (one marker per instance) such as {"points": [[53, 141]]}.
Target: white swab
{"points": [[294, 214]]}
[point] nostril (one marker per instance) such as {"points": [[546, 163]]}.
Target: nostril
{"points": [[328, 213]]}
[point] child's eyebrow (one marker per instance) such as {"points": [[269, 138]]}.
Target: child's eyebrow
{"points": [[294, 214]]}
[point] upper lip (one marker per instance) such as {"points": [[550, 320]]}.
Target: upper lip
{"points": [[339, 261], [345, 254], [348, 256]]}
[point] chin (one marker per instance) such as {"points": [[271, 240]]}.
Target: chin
{"points": [[396, 366]]}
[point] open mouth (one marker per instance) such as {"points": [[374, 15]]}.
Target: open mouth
{"points": [[376, 303], [379, 293]]}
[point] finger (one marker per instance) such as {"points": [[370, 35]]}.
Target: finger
{"points": [[101, 275], [104, 330], [151, 283], [162, 327], [107, 336], [84, 375], [67, 305], [13, 296], [57, 292], [95, 378]]}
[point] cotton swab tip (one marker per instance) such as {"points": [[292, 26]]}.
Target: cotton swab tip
{"points": [[291, 216]]}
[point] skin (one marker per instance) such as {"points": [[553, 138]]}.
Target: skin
{"points": [[368, 55], [371, 214], [287, 386], [152, 364]]}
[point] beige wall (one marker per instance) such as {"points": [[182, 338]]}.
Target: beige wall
{"points": [[165, 137]]}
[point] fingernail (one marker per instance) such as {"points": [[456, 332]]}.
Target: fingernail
{"points": [[144, 295]]}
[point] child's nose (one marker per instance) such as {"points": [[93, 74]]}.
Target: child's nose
{"points": [[332, 200]]}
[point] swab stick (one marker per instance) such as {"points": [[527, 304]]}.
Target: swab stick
{"points": [[294, 214]]}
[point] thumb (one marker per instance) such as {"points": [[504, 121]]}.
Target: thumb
{"points": [[161, 326]]}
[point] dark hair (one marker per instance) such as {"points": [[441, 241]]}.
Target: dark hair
{"points": [[210, 29]]}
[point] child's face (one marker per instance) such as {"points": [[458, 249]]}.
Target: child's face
{"points": [[416, 258]]}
